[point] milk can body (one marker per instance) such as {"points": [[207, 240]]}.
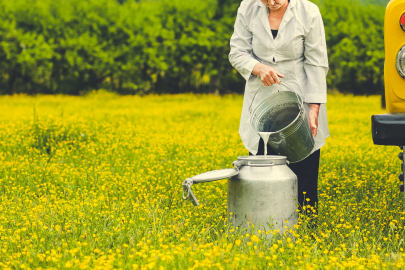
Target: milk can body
{"points": [[261, 191]]}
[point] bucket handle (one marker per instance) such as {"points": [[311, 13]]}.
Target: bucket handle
{"points": [[281, 83]]}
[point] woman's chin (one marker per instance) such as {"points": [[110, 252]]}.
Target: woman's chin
{"points": [[275, 7]]}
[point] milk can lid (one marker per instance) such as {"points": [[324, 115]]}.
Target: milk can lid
{"points": [[214, 175], [263, 161]]}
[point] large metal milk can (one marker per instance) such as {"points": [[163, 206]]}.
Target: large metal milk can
{"points": [[261, 190]]}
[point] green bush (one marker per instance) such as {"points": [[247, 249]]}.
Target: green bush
{"points": [[162, 46], [355, 39]]}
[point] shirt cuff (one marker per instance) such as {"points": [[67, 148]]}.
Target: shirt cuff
{"points": [[314, 98], [249, 68]]}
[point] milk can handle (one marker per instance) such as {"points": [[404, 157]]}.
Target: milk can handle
{"points": [[282, 83], [188, 192], [187, 189]]}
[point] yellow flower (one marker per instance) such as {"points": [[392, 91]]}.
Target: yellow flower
{"points": [[109, 164], [254, 238]]}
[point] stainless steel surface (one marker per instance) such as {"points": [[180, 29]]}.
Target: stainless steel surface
{"points": [[214, 175], [268, 160], [207, 177], [283, 115], [263, 192], [190, 195], [265, 196]]}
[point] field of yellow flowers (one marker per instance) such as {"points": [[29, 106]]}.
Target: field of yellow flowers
{"points": [[94, 182]]}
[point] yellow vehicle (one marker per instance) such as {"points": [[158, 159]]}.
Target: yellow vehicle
{"points": [[394, 69], [389, 128]]}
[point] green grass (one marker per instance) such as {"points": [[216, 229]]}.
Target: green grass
{"points": [[95, 183]]}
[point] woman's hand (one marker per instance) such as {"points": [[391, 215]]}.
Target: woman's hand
{"points": [[267, 74], [313, 118]]}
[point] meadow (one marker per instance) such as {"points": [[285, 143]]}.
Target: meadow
{"points": [[94, 182]]}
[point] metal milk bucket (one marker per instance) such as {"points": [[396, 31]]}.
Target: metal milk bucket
{"points": [[283, 115], [261, 190]]}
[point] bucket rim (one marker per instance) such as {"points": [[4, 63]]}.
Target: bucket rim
{"points": [[295, 161]]}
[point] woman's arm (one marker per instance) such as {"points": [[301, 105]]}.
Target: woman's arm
{"points": [[316, 62], [316, 68], [241, 46], [241, 54], [313, 118]]}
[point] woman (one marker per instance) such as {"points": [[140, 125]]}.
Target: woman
{"points": [[283, 39]]}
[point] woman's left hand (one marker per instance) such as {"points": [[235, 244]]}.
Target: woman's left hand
{"points": [[313, 118]]}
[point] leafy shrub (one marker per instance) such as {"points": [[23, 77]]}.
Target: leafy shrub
{"points": [[355, 38], [161, 46]]}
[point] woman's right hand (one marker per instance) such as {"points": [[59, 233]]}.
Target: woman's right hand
{"points": [[268, 75]]}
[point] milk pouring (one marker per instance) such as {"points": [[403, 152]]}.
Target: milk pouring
{"points": [[265, 136], [281, 118]]}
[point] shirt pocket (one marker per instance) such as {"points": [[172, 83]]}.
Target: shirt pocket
{"points": [[261, 42], [298, 46], [259, 47]]}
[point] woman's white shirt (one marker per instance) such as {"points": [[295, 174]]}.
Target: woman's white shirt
{"points": [[298, 52]]}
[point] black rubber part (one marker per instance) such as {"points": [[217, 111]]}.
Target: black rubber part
{"points": [[388, 129], [401, 188]]}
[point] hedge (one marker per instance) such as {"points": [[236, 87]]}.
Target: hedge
{"points": [[162, 46]]}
